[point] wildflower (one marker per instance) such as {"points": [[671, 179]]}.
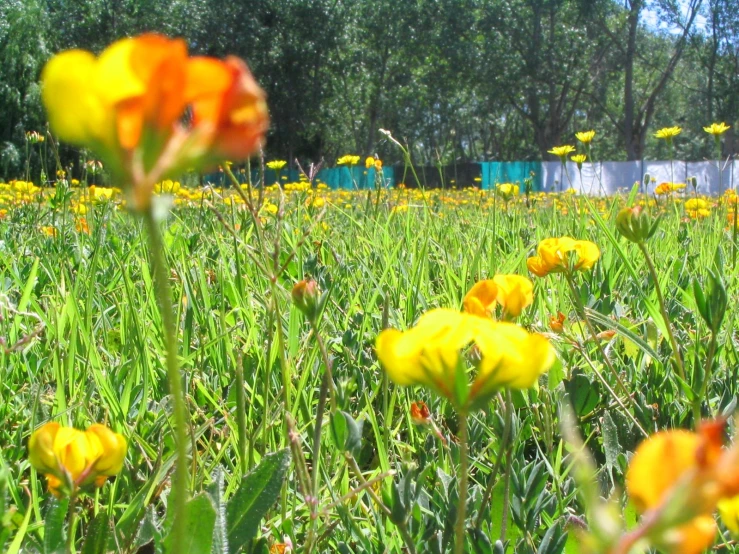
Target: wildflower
{"points": [[306, 297], [507, 190], [716, 129], [696, 204], [430, 354], [668, 133], [128, 106], [562, 151], [49, 231], [579, 159], [420, 413], [635, 224], [512, 292], [677, 478], [348, 160], [553, 256], [378, 165], [70, 458], [668, 188], [276, 165], [586, 137], [81, 226], [101, 194], [556, 323]]}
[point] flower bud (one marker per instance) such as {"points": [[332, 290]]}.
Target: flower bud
{"points": [[306, 297], [635, 224]]}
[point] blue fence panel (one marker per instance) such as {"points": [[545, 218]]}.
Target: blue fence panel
{"points": [[355, 178], [510, 172]]}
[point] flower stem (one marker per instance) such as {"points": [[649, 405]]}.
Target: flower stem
{"points": [[71, 523], [653, 272], [164, 296], [459, 528]]}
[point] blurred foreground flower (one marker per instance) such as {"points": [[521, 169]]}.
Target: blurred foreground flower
{"points": [[71, 459], [436, 353], [555, 255], [512, 292], [676, 479], [130, 104]]}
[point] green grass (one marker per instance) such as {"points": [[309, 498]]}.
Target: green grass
{"points": [[99, 357]]}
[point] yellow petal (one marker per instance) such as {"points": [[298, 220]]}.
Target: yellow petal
{"points": [[41, 448], [113, 448], [658, 463], [69, 96], [481, 298], [514, 293]]}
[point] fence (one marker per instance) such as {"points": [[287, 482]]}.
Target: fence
{"points": [[597, 178]]}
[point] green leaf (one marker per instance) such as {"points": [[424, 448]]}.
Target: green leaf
{"points": [[255, 495], [220, 532], [200, 518], [354, 434], [583, 394], [54, 535], [97, 535]]}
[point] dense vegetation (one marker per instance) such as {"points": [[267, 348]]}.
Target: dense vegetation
{"points": [[458, 79]]}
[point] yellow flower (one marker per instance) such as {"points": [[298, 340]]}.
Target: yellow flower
{"points": [[71, 458], [101, 194], [49, 231], [579, 159], [716, 129], [690, 473], [512, 292], [276, 165], [553, 256], [369, 162], [562, 151], [696, 204], [668, 188], [348, 160], [668, 133], [431, 354], [586, 137], [378, 165], [507, 190]]}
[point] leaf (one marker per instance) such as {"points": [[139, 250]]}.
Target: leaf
{"points": [[54, 535], [583, 394], [220, 532], [353, 442], [200, 518], [610, 441], [255, 495], [97, 535]]}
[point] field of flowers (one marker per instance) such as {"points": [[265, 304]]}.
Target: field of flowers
{"points": [[297, 369]]}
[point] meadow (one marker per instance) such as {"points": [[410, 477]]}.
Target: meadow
{"points": [[290, 368]]}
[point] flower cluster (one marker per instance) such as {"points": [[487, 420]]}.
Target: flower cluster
{"points": [[512, 292], [555, 255], [71, 459], [431, 354]]}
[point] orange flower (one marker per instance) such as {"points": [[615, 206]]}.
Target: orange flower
{"points": [[556, 324]]}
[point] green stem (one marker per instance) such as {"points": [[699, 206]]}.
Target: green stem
{"points": [[707, 374], [71, 524], [326, 386], [241, 413], [663, 309], [462, 480], [164, 296]]}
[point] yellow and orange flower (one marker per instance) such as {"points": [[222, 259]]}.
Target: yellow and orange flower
{"points": [[70, 458], [512, 292], [554, 255], [433, 354], [128, 106]]}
